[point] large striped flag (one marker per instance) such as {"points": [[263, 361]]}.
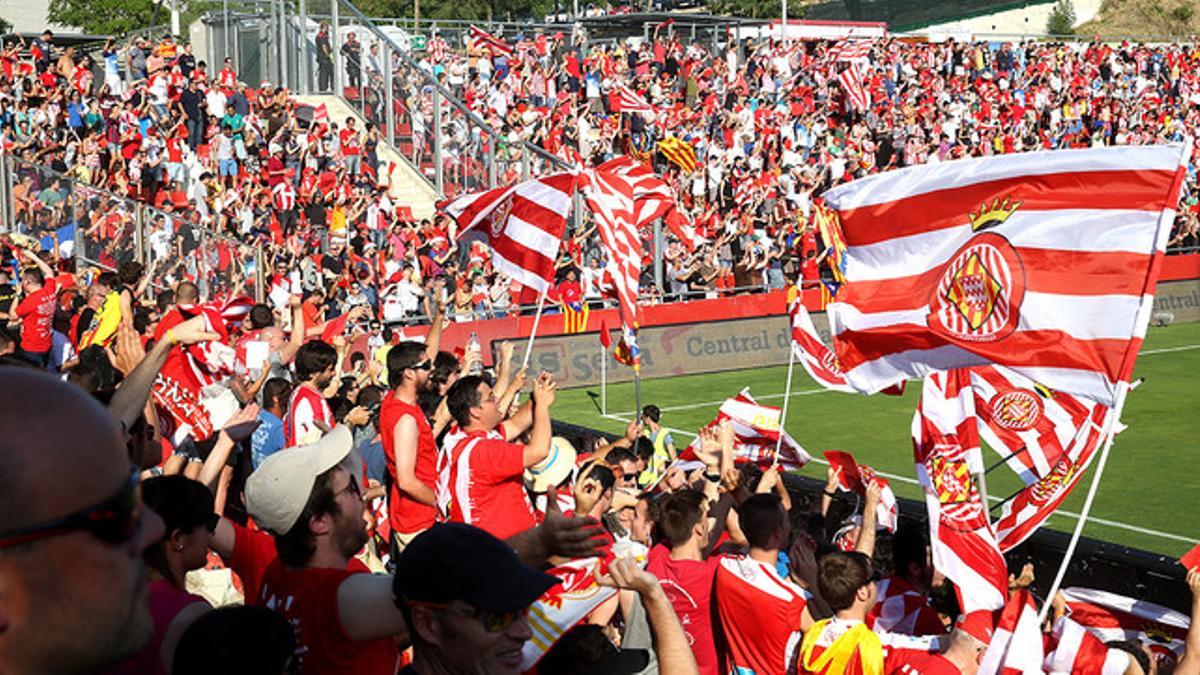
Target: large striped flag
{"points": [[524, 224], [679, 152], [1110, 616], [610, 198], [624, 99], [851, 50], [1042, 261], [1016, 646], [652, 196], [1078, 652], [493, 43], [947, 455], [1047, 438], [854, 85]]}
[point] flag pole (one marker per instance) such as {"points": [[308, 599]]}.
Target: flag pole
{"points": [[637, 391], [537, 318], [1110, 434], [787, 396], [603, 379], [981, 482]]}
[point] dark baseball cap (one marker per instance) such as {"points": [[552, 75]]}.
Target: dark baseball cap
{"points": [[456, 561]]}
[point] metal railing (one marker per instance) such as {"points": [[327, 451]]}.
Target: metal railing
{"points": [[98, 230]]}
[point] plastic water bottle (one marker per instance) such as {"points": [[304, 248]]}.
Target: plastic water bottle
{"points": [[473, 346]]}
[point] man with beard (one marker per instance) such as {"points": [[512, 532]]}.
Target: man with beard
{"points": [[408, 444], [72, 577], [309, 499], [308, 413]]}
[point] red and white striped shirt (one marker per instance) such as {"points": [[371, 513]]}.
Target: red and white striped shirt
{"points": [[481, 482], [306, 407], [900, 609], [759, 614], [284, 195]]}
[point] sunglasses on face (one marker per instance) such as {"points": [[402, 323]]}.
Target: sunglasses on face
{"points": [[493, 622], [112, 521], [424, 365]]}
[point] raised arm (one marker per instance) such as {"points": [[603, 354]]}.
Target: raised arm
{"points": [[1190, 663]]}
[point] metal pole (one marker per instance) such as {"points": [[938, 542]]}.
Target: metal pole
{"points": [[339, 87], [305, 84], [784, 26], [787, 396], [537, 319], [658, 255], [603, 378], [5, 190], [491, 158], [283, 46], [260, 261], [1110, 431], [389, 116], [225, 30], [981, 482], [139, 233], [525, 170], [438, 168]]}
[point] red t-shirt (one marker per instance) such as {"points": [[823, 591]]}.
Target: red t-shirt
{"points": [[37, 318], [483, 474], [688, 584], [406, 514], [759, 615], [307, 598], [921, 664], [305, 409]]}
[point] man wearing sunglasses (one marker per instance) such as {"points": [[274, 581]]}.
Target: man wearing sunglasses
{"points": [[465, 594], [72, 577], [408, 443]]}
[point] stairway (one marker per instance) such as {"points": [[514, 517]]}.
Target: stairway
{"points": [[409, 189]]}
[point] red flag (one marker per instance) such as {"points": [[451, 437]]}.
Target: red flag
{"points": [[947, 455], [1191, 559], [610, 198], [493, 43], [524, 224], [853, 84], [961, 263], [854, 477], [605, 336], [1016, 646], [652, 196], [820, 362]]}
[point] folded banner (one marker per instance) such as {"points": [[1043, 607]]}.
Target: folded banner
{"points": [[947, 456], [524, 224], [563, 606], [1041, 261], [756, 430], [855, 477], [1016, 646], [1109, 616]]}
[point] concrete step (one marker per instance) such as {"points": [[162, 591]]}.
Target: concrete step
{"points": [[408, 187]]}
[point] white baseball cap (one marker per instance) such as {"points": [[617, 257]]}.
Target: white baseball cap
{"points": [[554, 468], [278, 490]]}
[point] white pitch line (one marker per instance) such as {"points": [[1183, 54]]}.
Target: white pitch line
{"points": [[993, 498], [1168, 350], [692, 406]]}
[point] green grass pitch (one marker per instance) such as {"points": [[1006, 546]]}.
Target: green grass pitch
{"points": [[1147, 497]]}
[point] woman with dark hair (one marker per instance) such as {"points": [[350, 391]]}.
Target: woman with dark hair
{"points": [[186, 508], [240, 640]]}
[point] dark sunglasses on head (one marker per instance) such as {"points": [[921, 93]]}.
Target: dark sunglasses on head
{"points": [[112, 521]]}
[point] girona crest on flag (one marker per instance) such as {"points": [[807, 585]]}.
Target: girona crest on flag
{"points": [[978, 296], [499, 217], [1016, 409], [1046, 489]]}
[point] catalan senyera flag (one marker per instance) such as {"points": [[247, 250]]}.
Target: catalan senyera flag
{"points": [[575, 316], [679, 152], [827, 225], [1045, 262]]}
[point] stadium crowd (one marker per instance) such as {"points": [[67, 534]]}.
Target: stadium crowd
{"points": [[379, 503]]}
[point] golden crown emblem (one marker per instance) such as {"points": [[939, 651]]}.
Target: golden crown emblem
{"points": [[991, 216]]}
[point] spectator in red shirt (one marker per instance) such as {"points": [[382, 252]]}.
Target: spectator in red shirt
{"points": [[70, 558], [36, 311], [465, 594], [483, 471], [903, 603]]}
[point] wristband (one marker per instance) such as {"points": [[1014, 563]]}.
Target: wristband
{"points": [[712, 478], [830, 494], [171, 336]]}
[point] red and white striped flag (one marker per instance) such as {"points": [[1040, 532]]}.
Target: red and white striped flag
{"points": [[563, 606], [820, 361], [652, 196], [610, 198], [624, 99], [1109, 616], [851, 50], [854, 85], [235, 310], [493, 43], [855, 477], [1078, 652], [437, 49], [1016, 646], [756, 430], [1041, 261], [947, 455], [524, 224]]}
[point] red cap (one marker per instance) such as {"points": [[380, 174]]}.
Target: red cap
{"points": [[979, 624]]}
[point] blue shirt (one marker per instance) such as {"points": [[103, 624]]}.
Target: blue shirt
{"points": [[267, 439]]}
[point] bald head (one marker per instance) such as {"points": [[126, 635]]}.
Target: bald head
{"points": [[38, 450]]}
